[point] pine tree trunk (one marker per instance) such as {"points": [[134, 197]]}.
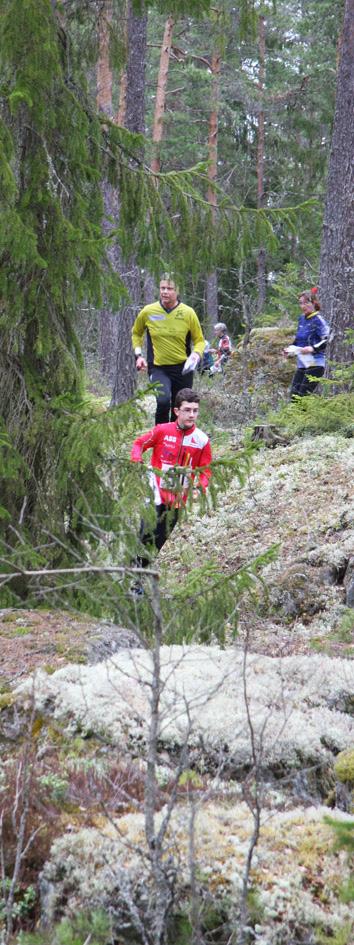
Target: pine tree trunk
{"points": [[136, 68], [125, 373], [150, 290], [261, 257], [160, 101], [123, 83], [211, 304], [157, 129], [104, 72], [107, 329], [122, 106], [336, 267], [212, 279]]}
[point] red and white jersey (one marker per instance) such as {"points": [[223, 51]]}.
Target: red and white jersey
{"points": [[224, 346], [173, 447]]}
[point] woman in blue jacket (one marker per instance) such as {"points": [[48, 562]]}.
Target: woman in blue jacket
{"points": [[309, 346]]}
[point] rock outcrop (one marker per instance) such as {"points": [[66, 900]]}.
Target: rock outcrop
{"points": [[295, 712]]}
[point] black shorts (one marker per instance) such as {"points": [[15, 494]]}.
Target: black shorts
{"points": [[171, 380]]}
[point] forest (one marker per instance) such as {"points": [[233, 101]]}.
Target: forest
{"points": [[176, 768]]}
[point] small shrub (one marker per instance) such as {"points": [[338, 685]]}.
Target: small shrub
{"points": [[345, 629], [317, 415], [341, 935], [57, 787], [344, 766], [94, 928], [25, 897]]}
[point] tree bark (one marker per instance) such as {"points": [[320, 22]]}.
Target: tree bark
{"points": [[125, 374], [213, 131], [104, 71], [212, 279], [336, 265], [107, 330], [148, 281], [211, 303], [123, 82], [122, 106], [136, 68], [261, 257], [124, 383], [160, 102]]}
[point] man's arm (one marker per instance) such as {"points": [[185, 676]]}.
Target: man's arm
{"points": [[138, 331], [144, 442]]}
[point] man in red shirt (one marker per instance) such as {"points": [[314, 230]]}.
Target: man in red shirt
{"points": [[179, 450]]}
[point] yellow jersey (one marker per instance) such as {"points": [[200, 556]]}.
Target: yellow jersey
{"points": [[170, 334]]}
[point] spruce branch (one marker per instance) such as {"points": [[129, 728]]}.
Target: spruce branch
{"points": [[87, 569]]}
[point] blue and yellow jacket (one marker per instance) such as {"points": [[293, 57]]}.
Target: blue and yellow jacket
{"points": [[312, 330], [170, 334]]}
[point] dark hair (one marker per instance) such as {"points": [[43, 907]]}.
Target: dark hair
{"points": [[186, 394]]}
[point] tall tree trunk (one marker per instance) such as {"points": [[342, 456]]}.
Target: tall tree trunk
{"points": [[104, 71], [123, 83], [157, 128], [212, 279], [160, 101], [261, 257], [336, 266], [125, 373], [149, 288], [106, 319], [211, 303], [136, 68], [122, 105]]}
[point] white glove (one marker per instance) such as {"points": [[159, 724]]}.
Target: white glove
{"points": [[191, 363]]}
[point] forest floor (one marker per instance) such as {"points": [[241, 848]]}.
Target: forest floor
{"points": [[48, 639], [91, 726], [299, 496], [33, 639]]}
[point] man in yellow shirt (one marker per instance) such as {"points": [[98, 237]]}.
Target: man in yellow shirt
{"points": [[175, 344]]}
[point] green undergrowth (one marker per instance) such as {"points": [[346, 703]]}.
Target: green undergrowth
{"points": [[317, 415], [204, 605], [94, 929], [342, 633], [100, 491], [341, 935], [344, 840], [331, 412], [97, 928], [105, 496]]}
